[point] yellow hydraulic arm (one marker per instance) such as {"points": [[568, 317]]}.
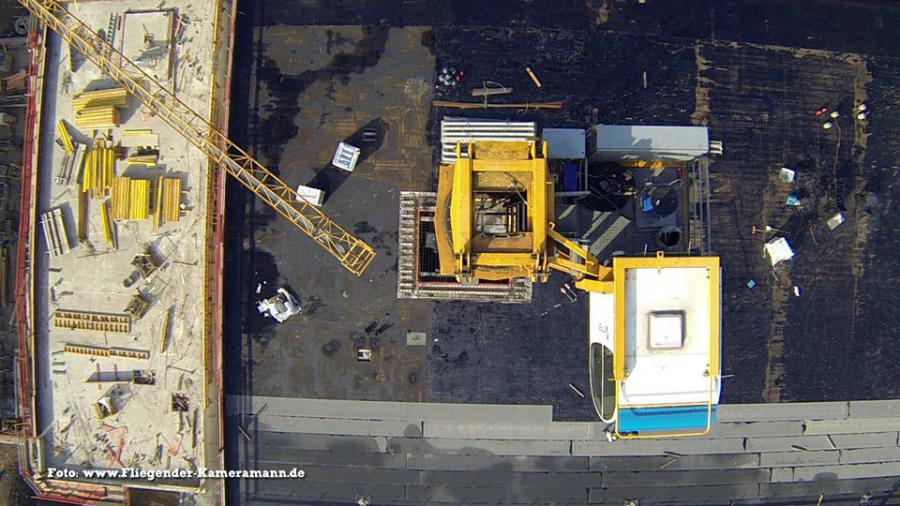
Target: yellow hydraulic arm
{"points": [[353, 253]]}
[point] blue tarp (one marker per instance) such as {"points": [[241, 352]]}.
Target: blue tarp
{"points": [[676, 418]]}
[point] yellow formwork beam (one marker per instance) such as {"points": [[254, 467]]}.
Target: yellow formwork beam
{"points": [[65, 137]]}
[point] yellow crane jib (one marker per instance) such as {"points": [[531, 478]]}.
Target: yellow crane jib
{"points": [[353, 253]]}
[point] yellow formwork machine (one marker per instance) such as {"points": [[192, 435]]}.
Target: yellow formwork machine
{"points": [[354, 254], [493, 218]]}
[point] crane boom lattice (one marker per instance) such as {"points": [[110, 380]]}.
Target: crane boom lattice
{"points": [[353, 253]]}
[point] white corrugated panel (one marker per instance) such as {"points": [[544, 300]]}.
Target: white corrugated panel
{"points": [[467, 130]]}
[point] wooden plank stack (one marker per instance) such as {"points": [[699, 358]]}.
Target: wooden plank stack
{"points": [[130, 199], [99, 169], [99, 109], [167, 201]]}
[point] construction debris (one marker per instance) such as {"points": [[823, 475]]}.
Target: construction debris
{"points": [[138, 306], [534, 78], [281, 306], [55, 235], [146, 263], [83, 320]]}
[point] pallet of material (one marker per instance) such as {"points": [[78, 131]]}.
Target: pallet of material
{"points": [[171, 199], [85, 320], [55, 233], [71, 164], [99, 170], [98, 351], [130, 199]]}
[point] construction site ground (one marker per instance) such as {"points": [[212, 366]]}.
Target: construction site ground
{"points": [[148, 432], [753, 72]]}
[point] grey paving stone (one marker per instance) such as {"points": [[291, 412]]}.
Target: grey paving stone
{"points": [[338, 426], [870, 455], [418, 494], [675, 463], [497, 430], [826, 487], [875, 409], [847, 472], [684, 446], [477, 446], [785, 444], [348, 458], [709, 494], [782, 474], [684, 478], [321, 441], [748, 429], [508, 463], [490, 478], [852, 426], [387, 410], [870, 440], [283, 492], [781, 411], [798, 458]]}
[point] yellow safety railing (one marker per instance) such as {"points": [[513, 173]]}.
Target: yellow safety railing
{"points": [[353, 253]]}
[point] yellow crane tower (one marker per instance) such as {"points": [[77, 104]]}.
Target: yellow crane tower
{"points": [[353, 253]]}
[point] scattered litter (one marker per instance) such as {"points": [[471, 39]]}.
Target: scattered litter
{"points": [[862, 111], [534, 78], [577, 390], [792, 200], [828, 125], [778, 250], [258, 288], [786, 175], [796, 291], [835, 114], [835, 221], [364, 355], [751, 284], [821, 112]]}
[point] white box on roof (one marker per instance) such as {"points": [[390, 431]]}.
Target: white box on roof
{"points": [[625, 143], [312, 195]]}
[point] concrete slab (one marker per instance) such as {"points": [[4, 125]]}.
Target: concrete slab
{"points": [[852, 426], [501, 478], [752, 429], [676, 463], [846, 472], [782, 411], [337, 426], [870, 455], [710, 494], [658, 447], [875, 409], [870, 440], [674, 479], [545, 431], [386, 410], [479, 462], [511, 493], [785, 444], [795, 458]]}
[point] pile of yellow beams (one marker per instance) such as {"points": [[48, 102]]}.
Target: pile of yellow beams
{"points": [[99, 109], [130, 199], [167, 202], [65, 137], [99, 170]]}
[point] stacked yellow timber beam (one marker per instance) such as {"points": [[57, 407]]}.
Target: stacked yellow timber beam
{"points": [[65, 137], [98, 351], [171, 200], [99, 109], [167, 201], [99, 169], [130, 199], [86, 320]]}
